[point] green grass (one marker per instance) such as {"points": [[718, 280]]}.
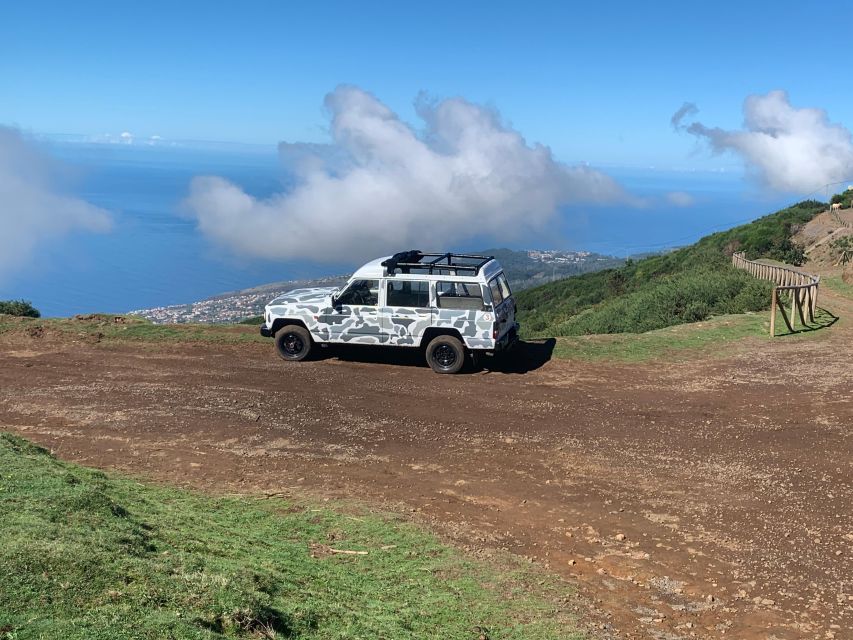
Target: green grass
{"points": [[718, 336], [89, 555], [102, 327], [682, 341], [836, 284]]}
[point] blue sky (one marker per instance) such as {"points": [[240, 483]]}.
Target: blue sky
{"points": [[594, 81], [126, 226]]}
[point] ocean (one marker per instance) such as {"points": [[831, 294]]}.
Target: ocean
{"points": [[155, 256]]}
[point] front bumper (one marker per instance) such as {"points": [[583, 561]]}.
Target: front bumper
{"points": [[266, 332]]}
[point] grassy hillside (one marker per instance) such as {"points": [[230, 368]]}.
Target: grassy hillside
{"points": [[86, 555], [686, 285]]}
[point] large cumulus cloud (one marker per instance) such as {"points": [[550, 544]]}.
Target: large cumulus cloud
{"points": [[31, 209], [382, 185], [788, 148]]}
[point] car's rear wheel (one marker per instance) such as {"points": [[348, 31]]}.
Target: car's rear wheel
{"points": [[293, 342], [445, 354]]}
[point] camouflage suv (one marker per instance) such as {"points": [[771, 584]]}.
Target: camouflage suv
{"points": [[453, 305]]}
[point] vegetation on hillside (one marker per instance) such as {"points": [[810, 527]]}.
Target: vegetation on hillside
{"points": [[87, 555], [686, 285], [19, 308], [844, 198]]}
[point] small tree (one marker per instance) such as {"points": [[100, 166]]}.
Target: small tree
{"points": [[19, 308]]}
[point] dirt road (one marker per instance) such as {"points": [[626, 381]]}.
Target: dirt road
{"points": [[705, 499]]}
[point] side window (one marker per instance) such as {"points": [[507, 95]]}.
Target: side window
{"points": [[361, 293], [458, 295], [504, 286], [407, 293], [497, 294]]}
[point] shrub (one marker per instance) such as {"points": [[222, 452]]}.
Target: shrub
{"points": [[687, 297], [19, 308]]}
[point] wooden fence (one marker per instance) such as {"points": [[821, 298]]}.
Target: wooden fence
{"points": [[801, 289], [836, 216]]}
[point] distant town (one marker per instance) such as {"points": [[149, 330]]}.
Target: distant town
{"points": [[524, 269]]}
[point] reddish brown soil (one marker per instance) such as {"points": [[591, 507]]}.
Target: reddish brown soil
{"points": [[704, 499]]}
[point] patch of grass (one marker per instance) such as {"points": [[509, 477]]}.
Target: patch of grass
{"points": [[255, 320], [101, 327], [88, 555], [717, 337], [681, 341], [836, 284]]}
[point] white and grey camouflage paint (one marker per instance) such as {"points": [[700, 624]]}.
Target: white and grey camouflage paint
{"points": [[384, 325]]}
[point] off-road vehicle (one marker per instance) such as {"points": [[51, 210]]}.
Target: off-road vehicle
{"points": [[452, 305]]}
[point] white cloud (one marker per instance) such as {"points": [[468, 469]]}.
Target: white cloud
{"points": [[382, 186], [680, 199], [30, 208], [788, 148]]}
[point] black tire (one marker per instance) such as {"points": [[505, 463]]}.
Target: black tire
{"points": [[293, 342], [445, 354]]}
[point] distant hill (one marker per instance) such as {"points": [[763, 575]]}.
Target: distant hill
{"points": [[686, 285], [524, 269], [534, 267]]}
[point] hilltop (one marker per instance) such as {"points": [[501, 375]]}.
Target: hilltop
{"points": [[689, 284]]}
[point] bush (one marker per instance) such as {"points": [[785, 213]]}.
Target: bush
{"points": [[843, 198], [19, 308], [688, 297]]}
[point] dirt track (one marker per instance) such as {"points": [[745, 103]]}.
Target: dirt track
{"points": [[704, 499]]}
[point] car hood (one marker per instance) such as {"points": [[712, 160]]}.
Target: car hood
{"points": [[304, 296]]}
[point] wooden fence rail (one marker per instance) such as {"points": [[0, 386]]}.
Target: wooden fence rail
{"points": [[836, 216], [802, 288]]}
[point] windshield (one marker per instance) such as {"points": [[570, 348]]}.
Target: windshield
{"points": [[360, 292]]}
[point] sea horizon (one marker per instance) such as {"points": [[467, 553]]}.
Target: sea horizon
{"points": [[155, 256]]}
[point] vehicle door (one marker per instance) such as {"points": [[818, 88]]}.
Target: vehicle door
{"points": [[407, 312], [355, 314], [502, 303], [460, 306]]}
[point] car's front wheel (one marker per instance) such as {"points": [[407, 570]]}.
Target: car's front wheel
{"points": [[445, 354], [293, 342]]}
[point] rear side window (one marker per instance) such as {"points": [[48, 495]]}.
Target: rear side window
{"points": [[497, 294], [407, 293], [504, 286], [458, 295]]}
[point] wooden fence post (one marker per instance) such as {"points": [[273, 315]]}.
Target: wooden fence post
{"points": [[793, 307], [773, 313]]}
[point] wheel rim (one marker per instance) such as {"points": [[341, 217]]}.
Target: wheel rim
{"points": [[444, 355], [292, 344]]}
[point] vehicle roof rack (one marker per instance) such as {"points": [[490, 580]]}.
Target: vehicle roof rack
{"points": [[406, 261]]}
